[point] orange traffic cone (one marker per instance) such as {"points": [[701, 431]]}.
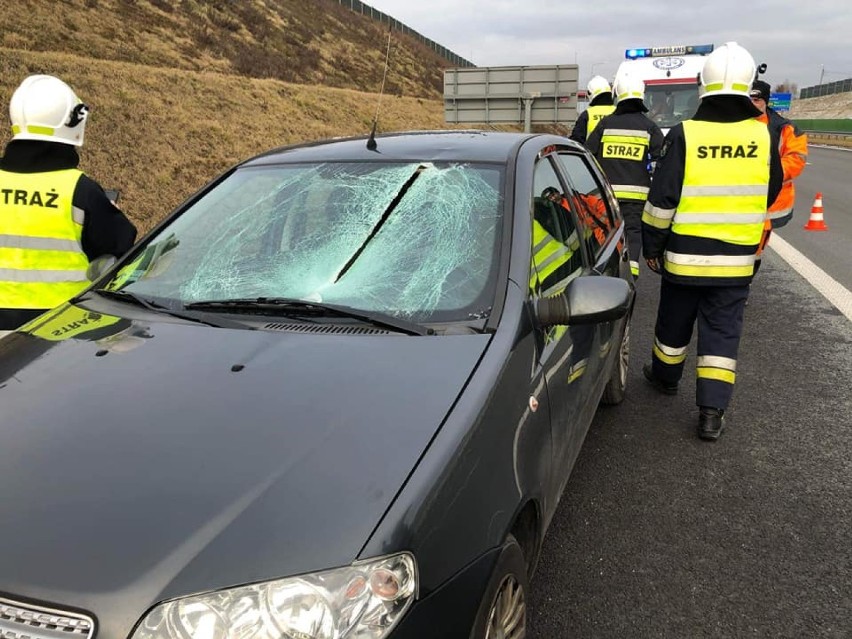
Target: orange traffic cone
{"points": [[816, 221]]}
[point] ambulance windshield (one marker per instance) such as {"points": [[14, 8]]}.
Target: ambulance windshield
{"points": [[668, 104]]}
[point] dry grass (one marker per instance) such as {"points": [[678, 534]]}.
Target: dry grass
{"points": [[159, 134], [301, 41], [181, 90]]}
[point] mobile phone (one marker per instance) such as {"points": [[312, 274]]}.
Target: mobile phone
{"points": [[112, 194]]}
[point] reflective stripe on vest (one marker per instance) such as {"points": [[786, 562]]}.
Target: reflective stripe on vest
{"points": [[726, 180], [630, 192], [596, 114], [42, 262]]}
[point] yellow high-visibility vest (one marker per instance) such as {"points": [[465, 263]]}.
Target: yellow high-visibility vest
{"points": [[630, 145], [549, 254], [726, 180], [69, 321], [596, 114], [42, 263]]}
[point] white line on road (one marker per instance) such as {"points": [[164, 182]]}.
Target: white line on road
{"points": [[830, 288]]}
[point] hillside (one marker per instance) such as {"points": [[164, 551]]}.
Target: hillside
{"points": [[826, 107], [165, 121], [301, 41]]}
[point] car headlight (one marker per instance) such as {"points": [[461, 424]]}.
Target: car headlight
{"points": [[362, 601]]}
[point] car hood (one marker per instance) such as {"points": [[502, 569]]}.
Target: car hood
{"points": [[196, 458]]}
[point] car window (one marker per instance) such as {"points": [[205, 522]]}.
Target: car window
{"points": [[590, 201], [416, 240], [556, 254]]}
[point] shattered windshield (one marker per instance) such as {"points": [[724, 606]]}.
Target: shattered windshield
{"points": [[415, 240]]}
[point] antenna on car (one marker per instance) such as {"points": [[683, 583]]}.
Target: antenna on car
{"points": [[371, 142]]}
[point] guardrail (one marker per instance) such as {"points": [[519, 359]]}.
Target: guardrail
{"points": [[832, 138]]}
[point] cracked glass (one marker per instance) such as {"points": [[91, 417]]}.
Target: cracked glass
{"points": [[415, 240]]}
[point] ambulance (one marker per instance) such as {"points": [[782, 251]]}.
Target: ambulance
{"points": [[671, 80]]}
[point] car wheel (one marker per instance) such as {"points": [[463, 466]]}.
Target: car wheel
{"points": [[503, 610], [617, 384]]}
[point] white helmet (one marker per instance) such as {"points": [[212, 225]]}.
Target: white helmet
{"points": [[45, 108], [627, 87], [729, 70], [596, 86]]}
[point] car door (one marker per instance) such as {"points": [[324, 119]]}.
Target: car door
{"points": [[559, 257], [597, 213]]}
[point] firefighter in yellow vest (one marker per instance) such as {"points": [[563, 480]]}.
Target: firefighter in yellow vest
{"points": [[555, 262], [600, 105], [701, 229], [627, 144], [53, 218]]}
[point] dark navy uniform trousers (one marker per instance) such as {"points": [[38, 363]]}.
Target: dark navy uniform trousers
{"points": [[631, 211], [719, 311]]}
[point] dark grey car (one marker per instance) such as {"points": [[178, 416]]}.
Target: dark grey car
{"points": [[336, 394]]}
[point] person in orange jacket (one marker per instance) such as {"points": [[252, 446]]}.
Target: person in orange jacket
{"points": [[793, 148], [590, 209]]}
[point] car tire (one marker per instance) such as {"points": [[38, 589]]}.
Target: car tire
{"points": [[617, 385], [503, 609]]}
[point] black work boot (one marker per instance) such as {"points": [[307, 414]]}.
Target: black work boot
{"points": [[711, 421], [661, 386]]}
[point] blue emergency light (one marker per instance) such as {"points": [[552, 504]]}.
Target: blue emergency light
{"points": [[658, 52]]}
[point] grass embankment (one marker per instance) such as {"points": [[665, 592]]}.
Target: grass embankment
{"points": [[159, 134]]}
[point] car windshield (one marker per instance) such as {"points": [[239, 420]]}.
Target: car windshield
{"points": [[414, 240], [670, 104]]}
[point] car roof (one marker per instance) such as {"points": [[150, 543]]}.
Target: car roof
{"points": [[471, 146]]}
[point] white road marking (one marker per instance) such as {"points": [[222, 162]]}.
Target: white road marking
{"points": [[830, 288]]}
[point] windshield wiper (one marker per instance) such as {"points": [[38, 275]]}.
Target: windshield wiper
{"points": [[154, 307], [290, 306], [378, 226]]}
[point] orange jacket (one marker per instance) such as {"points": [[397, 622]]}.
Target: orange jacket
{"points": [[793, 148], [592, 212]]}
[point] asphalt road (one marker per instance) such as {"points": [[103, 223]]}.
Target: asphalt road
{"points": [[829, 172], [660, 534]]}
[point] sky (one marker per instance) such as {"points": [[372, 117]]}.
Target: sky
{"points": [[800, 40]]}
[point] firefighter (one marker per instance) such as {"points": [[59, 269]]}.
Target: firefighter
{"points": [[54, 219], [701, 229], [793, 147], [627, 144], [555, 261], [600, 106]]}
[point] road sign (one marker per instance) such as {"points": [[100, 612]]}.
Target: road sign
{"points": [[780, 101], [511, 95]]}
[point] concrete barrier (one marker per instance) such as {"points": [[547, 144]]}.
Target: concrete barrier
{"points": [[829, 138]]}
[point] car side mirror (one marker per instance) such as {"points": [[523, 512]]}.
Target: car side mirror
{"points": [[99, 266], [589, 299]]}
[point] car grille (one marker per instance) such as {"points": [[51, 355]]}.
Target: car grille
{"points": [[26, 621]]}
